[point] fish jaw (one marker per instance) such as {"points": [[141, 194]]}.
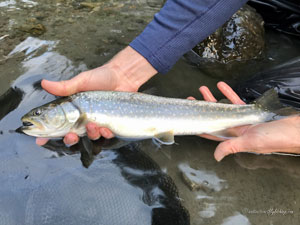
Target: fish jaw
{"points": [[35, 128], [43, 133], [31, 127]]}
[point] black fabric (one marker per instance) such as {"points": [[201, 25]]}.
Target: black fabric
{"points": [[284, 78], [282, 15]]}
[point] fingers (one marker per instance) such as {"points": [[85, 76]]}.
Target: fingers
{"points": [[41, 141], [191, 98], [94, 132], [225, 89], [71, 139], [229, 93], [61, 88], [106, 133], [228, 147], [207, 95]]}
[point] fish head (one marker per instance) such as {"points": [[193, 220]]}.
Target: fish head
{"points": [[50, 120]]}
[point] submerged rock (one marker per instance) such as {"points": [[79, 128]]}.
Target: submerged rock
{"points": [[241, 38], [90, 5], [33, 29]]}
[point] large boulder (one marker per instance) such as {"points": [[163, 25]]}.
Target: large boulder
{"points": [[239, 40]]}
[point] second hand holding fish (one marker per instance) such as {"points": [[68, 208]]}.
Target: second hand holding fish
{"points": [[276, 136]]}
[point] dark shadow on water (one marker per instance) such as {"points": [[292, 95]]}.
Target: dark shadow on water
{"points": [[159, 192], [10, 100]]}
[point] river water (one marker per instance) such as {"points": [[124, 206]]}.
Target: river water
{"points": [[57, 39]]}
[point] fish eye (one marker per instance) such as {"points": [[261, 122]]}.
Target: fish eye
{"points": [[37, 112]]}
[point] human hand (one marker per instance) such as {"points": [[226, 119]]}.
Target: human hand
{"points": [[127, 71], [276, 136]]}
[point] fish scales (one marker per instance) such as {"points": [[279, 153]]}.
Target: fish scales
{"points": [[138, 115], [142, 116]]}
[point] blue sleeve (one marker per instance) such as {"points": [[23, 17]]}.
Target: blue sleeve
{"points": [[179, 26]]}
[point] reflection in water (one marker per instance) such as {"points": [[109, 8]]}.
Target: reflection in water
{"points": [[12, 3], [10, 100], [87, 148], [237, 219], [108, 193], [209, 210], [31, 44], [26, 92], [29, 2], [122, 186], [201, 179], [8, 3], [287, 164], [39, 58]]}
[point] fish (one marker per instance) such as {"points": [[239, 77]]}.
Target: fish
{"points": [[132, 115]]}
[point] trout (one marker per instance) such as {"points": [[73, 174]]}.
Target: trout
{"points": [[141, 116]]}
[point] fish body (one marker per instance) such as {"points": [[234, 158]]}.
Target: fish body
{"points": [[139, 116]]}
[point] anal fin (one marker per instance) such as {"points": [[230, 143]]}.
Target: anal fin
{"points": [[166, 138]]}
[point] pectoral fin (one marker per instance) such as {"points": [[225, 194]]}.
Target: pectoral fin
{"points": [[86, 151], [166, 138], [81, 121]]}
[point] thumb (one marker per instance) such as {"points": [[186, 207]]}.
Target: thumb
{"points": [[61, 88], [228, 147]]}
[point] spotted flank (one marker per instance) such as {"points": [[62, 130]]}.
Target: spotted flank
{"points": [[141, 116]]}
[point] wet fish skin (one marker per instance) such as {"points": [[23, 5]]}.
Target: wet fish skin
{"points": [[140, 116]]}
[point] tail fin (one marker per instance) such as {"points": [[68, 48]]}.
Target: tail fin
{"points": [[270, 102]]}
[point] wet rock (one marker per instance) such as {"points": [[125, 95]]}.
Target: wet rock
{"points": [[130, 28], [33, 29], [241, 38], [140, 20], [71, 20], [40, 16], [155, 3], [58, 21], [90, 5]]}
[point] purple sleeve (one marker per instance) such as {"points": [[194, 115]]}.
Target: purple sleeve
{"points": [[179, 26]]}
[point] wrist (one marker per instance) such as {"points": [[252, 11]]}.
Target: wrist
{"points": [[132, 70]]}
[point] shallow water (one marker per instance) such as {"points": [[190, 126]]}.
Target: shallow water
{"points": [[242, 189]]}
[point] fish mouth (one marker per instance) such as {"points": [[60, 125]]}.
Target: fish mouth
{"points": [[27, 124], [30, 124]]}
